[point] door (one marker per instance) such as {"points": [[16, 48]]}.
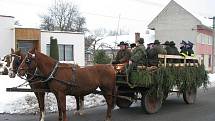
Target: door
{"points": [[25, 46]]}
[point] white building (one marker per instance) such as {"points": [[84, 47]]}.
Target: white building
{"points": [[71, 44], [6, 34]]}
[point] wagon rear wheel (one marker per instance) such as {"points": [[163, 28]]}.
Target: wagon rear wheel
{"points": [[151, 103], [189, 95]]}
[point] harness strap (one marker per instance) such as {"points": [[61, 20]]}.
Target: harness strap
{"points": [[73, 72], [51, 76]]}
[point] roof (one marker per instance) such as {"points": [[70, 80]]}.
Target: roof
{"points": [[112, 41], [68, 32], [204, 21], [7, 16]]}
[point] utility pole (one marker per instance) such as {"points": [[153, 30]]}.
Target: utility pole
{"points": [[213, 44], [117, 28]]}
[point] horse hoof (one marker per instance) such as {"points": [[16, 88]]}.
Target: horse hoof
{"points": [[78, 113], [107, 119]]}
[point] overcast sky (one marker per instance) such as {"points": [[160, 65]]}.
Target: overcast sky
{"points": [[135, 15]]}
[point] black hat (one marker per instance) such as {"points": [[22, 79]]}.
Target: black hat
{"points": [[171, 43], [156, 42], [190, 43], [122, 43], [141, 40], [183, 42], [132, 45], [166, 43]]}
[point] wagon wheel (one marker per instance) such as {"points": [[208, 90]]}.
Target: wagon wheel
{"points": [[151, 103], [189, 95], [124, 97], [122, 102], [165, 95]]}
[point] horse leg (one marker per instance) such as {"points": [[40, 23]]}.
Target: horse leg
{"points": [[77, 99], [109, 99], [62, 104], [79, 105], [59, 107], [40, 99]]}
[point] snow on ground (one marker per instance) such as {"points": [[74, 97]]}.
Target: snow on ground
{"points": [[22, 102]]}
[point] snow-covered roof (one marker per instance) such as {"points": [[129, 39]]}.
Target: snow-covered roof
{"points": [[113, 41]]}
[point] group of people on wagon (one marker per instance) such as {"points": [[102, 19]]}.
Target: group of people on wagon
{"points": [[137, 54]]}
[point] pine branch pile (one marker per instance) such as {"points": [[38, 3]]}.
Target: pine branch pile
{"points": [[168, 77]]}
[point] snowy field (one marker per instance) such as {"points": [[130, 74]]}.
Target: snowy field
{"points": [[19, 102]]}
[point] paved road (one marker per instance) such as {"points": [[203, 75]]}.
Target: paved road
{"points": [[174, 109]]}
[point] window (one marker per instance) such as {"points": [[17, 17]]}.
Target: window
{"points": [[48, 49], [210, 40], [25, 46], [66, 52]]}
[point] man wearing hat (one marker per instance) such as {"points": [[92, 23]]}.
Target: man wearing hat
{"points": [[157, 49], [172, 49], [167, 47], [123, 55], [138, 55], [190, 49], [183, 48]]}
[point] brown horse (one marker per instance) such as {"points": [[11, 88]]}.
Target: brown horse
{"points": [[16, 57], [65, 80]]}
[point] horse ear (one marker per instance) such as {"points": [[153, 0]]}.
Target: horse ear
{"points": [[33, 55], [12, 50]]}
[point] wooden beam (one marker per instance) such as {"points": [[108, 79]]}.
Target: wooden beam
{"points": [[26, 90], [175, 57]]}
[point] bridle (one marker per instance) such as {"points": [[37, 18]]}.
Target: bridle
{"points": [[35, 77], [28, 74], [16, 62]]}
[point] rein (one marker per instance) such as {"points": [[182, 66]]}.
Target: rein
{"points": [[42, 79]]}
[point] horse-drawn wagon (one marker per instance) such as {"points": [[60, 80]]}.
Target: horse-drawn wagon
{"points": [[152, 84]]}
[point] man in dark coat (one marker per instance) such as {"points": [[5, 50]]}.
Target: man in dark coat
{"points": [[184, 51], [123, 55], [173, 50], [153, 53], [190, 49], [167, 47], [138, 55]]}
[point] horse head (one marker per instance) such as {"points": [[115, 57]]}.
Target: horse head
{"points": [[16, 58], [28, 64]]}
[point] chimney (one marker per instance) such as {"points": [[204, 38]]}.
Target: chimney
{"points": [[137, 37]]}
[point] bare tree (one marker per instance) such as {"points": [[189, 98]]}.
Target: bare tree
{"points": [[63, 16]]}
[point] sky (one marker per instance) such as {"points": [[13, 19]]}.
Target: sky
{"points": [[132, 15]]}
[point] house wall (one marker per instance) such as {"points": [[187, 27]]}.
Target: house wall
{"points": [[76, 39], [174, 23], [6, 34]]}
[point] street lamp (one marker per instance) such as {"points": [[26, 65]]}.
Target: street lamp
{"points": [[213, 43]]}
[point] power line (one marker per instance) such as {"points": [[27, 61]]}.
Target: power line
{"points": [[113, 17]]}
